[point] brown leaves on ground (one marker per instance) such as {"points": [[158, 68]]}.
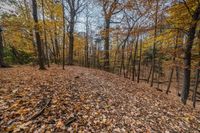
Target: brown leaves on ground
{"points": [[87, 100]]}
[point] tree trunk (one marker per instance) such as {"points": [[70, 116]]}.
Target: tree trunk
{"points": [[56, 42], [174, 59], [45, 35], [177, 80], [71, 43], [154, 45], [196, 86], [122, 67], [139, 67], [37, 35], [170, 80], [86, 62], [197, 77], [106, 47], [63, 9], [2, 64], [187, 64], [134, 59], [188, 54]]}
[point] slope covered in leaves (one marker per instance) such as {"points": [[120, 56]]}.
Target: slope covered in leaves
{"points": [[79, 99]]}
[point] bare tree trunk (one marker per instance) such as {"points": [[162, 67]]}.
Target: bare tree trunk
{"points": [[86, 62], [170, 80], [63, 9], [196, 86], [37, 35], [71, 43], [139, 66], [122, 67], [53, 48], [2, 64], [154, 45], [177, 80], [56, 42], [106, 47], [149, 76], [174, 59], [134, 59], [45, 35], [197, 77], [188, 54]]}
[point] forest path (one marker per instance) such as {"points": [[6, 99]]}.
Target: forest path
{"points": [[87, 100]]}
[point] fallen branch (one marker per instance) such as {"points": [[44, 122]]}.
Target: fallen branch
{"points": [[71, 120], [41, 111]]}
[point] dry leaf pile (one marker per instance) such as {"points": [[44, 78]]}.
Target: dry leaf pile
{"points": [[86, 100]]}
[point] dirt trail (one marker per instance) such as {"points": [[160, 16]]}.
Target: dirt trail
{"points": [[87, 100]]}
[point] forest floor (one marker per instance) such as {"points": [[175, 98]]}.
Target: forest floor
{"points": [[87, 100]]}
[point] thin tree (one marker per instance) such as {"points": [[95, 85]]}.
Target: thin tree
{"points": [[2, 64], [86, 61], [197, 76], [37, 35], [154, 44], [140, 59], [45, 35], [134, 59], [74, 7], [63, 9], [110, 8], [174, 59]]}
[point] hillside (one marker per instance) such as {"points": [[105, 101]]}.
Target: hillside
{"points": [[87, 100]]}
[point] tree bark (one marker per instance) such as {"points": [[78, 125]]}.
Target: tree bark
{"points": [[140, 58], [134, 59], [197, 77], [63, 9], [37, 35], [2, 64], [174, 59], [45, 36], [106, 47], [86, 62], [154, 45], [188, 54], [71, 42]]}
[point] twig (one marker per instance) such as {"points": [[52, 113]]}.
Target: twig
{"points": [[71, 120], [41, 111]]}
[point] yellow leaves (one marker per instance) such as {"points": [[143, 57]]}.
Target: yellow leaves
{"points": [[179, 15]]}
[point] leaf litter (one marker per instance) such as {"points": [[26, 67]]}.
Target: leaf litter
{"points": [[87, 100]]}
